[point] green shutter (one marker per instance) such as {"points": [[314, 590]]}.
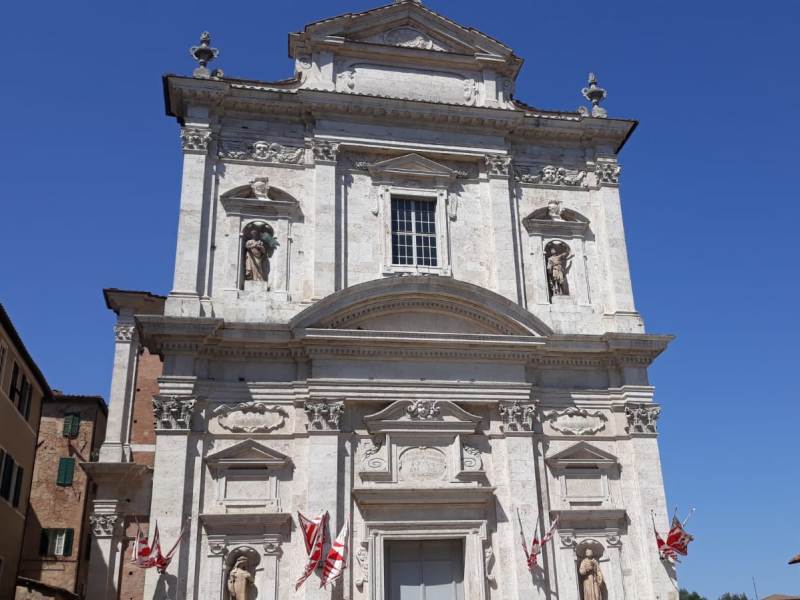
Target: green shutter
{"points": [[66, 471], [44, 542], [70, 427], [76, 426], [68, 535]]}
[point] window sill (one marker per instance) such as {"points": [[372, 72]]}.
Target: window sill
{"points": [[389, 270]]}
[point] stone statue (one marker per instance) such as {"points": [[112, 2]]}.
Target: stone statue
{"points": [[554, 210], [240, 581], [558, 263], [259, 246], [591, 577], [260, 188]]}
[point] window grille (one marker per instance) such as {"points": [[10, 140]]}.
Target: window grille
{"points": [[414, 232]]}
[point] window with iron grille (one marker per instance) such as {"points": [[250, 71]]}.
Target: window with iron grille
{"points": [[414, 232]]}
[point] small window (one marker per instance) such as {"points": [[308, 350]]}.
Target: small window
{"points": [[66, 471], [7, 476], [56, 542], [3, 353], [414, 232], [17, 486], [12, 385], [72, 426], [24, 404]]}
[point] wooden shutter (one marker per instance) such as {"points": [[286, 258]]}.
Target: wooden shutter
{"points": [[69, 534], [66, 471], [72, 425]]}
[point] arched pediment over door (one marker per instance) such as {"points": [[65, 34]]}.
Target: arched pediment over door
{"points": [[421, 304]]}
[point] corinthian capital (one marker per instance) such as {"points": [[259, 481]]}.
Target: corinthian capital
{"points": [[173, 412], [124, 333], [103, 525], [195, 140], [325, 151], [498, 165]]}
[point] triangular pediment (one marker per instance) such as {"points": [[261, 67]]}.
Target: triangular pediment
{"points": [[247, 453], [408, 24], [582, 454], [422, 415], [411, 165]]}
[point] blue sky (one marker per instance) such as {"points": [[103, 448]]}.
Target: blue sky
{"points": [[90, 187]]}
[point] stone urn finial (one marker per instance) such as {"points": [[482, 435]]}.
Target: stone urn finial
{"points": [[203, 54], [595, 94]]}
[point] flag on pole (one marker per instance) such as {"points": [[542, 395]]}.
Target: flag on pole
{"points": [[523, 540], [677, 542], [315, 536], [336, 562], [536, 545], [162, 560], [142, 553]]}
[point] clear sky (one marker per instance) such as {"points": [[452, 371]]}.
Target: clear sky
{"points": [[90, 180]]}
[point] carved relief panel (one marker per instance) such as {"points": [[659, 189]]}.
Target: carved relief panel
{"points": [[421, 443]]}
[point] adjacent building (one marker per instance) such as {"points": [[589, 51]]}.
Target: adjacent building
{"points": [[57, 539], [23, 389], [402, 297]]}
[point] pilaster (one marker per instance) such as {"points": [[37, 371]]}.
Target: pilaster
{"points": [[193, 223], [324, 476], [171, 501], [498, 168], [115, 448], [105, 562], [325, 158]]}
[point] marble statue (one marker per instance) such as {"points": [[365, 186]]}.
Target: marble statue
{"points": [[591, 577], [259, 246], [240, 581], [558, 259]]}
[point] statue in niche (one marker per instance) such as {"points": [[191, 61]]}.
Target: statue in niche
{"points": [[240, 581], [591, 577], [559, 261], [259, 246]]}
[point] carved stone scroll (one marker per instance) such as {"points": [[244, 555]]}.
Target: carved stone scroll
{"points": [[577, 421], [250, 417]]}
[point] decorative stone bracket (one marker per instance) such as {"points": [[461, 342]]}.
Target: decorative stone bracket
{"points": [[173, 412], [324, 415]]}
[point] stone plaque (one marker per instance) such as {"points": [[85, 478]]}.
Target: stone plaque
{"points": [[577, 421], [423, 464], [584, 485], [250, 417]]}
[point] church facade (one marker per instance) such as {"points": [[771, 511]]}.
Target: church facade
{"points": [[401, 297]]}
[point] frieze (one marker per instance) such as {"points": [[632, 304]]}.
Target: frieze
{"points": [[173, 412], [195, 140], [642, 418], [577, 421], [250, 417], [261, 151], [551, 175], [324, 415]]}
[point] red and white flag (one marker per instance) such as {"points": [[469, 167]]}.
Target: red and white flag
{"points": [[142, 553], [336, 562], [677, 542], [315, 535], [536, 545], [148, 555]]}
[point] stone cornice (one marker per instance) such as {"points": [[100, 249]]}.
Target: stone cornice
{"points": [[262, 98]]}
